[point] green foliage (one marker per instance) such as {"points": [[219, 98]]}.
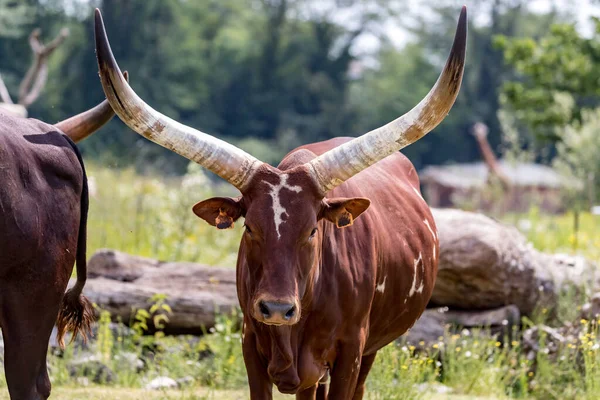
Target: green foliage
{"points": [[404, 76], [105, 336], [14, 15], [234, 71], [577, 157], [158, 313], [559, 65]]}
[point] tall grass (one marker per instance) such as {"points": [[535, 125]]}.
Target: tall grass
{"points": [[153, 217]]}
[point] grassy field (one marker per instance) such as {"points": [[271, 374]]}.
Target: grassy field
{"points": [[104, 393], [152, 217]]}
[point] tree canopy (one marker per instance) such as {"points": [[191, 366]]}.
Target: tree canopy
{"points": [[269, 75]]}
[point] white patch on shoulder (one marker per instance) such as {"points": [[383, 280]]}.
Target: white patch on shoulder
{"points": [[429, 227], [278, 209], [381, 287], [414, 289], [434, 253]]}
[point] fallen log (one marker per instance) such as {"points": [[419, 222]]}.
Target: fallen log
{"points": [[122, 284], [485, 264]]}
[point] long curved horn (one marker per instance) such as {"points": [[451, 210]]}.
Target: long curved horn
{"points": [[337, 165], [83, 125], [229, 162]]}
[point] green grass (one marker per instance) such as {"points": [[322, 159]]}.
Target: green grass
{"points": [[152, 217], [120, 393]]}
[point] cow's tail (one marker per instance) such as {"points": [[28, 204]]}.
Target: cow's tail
{"points": [[76, 312]]}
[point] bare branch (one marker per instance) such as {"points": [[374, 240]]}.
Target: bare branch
{"points": [[37, 87], [37, 75], [4, 95], [50, 47]]}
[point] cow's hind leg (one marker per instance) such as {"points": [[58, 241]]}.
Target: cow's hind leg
{"points": [[365, 367], [27, 321]]}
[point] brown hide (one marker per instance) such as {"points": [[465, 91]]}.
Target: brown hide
{"points": [[369, 283], [43, 208]]}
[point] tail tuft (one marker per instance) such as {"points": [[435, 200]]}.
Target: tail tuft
{"points": [[76, 316]]}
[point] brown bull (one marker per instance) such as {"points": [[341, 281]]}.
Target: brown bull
{"points": [[317, 299], [43, 214]]}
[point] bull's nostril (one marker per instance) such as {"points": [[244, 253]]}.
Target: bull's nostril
{"points": [[264, 309], [290, 312]]}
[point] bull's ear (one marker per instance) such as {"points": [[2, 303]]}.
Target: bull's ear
{"points": [[343, 211], [221, 212]]}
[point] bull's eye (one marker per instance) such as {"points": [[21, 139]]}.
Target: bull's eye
{"points": [[248, 230], [313, 233]]}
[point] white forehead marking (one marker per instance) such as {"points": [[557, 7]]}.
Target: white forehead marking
{"points": [[278, 208], [429, 227], [414, 289], [381, 287]]}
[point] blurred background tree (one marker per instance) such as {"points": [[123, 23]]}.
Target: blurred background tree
{"points": [[269, 75], [554, 98]]}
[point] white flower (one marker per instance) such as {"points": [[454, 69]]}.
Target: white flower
{"points": [[468, 354]]}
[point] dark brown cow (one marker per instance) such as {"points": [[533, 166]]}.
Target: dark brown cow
{"points": [[43, 214], [317, 299]]}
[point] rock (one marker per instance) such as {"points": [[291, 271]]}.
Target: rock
{"points": [[433, 387], [90, 366], [185, 381], [162, 382], [486, 264], [554, 339], [129, 361], [591, 309], [83, 381], [432, 324]]}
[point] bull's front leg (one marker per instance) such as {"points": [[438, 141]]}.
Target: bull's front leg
{"points": [[261, 387], [344, 374]]}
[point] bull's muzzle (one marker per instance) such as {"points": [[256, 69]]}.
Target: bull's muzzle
{"points": [[276, 312]]}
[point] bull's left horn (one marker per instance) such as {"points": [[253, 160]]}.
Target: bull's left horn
{"points": [[83, 125], [229, 162], [341, 163]]}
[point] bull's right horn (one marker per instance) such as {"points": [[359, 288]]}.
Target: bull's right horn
{"points": [[229, 162], [339, 164]]}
